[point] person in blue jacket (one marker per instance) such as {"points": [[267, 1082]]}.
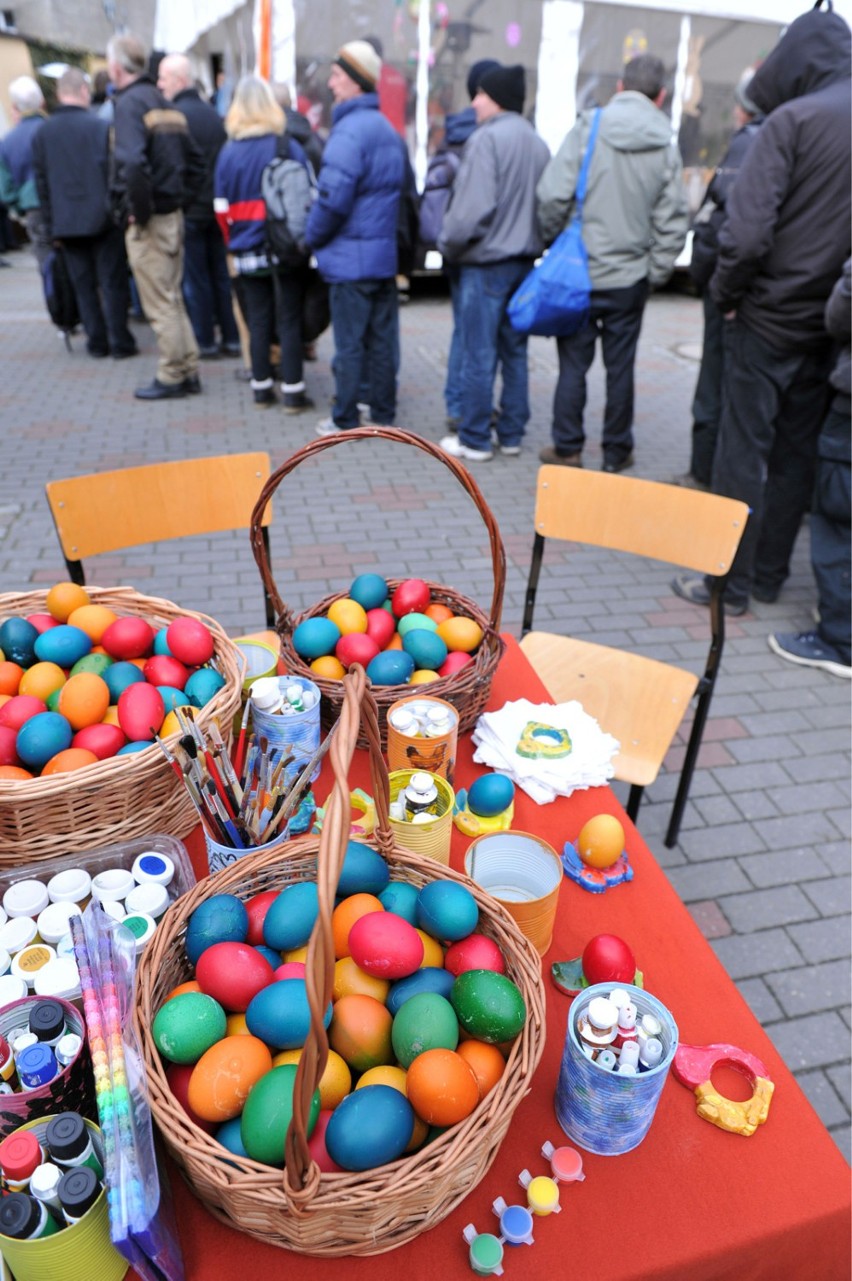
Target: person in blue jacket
{"points": [[352, 229]]}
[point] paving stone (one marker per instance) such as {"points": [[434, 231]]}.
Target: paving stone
{"points": [[823, 1098], [841, 1079], [811, 988], [716, 810], [843, 1138], [762, 909], [729, 841], [708, 880], [802, 798], [817, 1040], [781, 867], [710, 919], [755, 805], [760, 1000], [824, 940], [763, 952], [830, 897]]}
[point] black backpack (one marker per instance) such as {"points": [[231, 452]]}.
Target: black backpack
{"points": [[289, 190]]}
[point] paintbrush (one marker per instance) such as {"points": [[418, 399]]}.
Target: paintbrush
{"points": [[235, 840], [239, 751], [224, 760], [291, 799]]}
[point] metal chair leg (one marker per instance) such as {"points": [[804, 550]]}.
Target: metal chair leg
{"points": [[634, 800]]}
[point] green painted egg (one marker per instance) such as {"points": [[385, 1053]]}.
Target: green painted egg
{"points": [[416, 622], [187, 1025], [97, 663], [426, 1021], [267, 1114], [489, 1006]]}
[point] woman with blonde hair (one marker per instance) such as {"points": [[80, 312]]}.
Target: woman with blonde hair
{"points": [[271, 296]]}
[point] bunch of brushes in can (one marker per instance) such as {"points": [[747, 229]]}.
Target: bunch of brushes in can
{"points": [[245, 803]]}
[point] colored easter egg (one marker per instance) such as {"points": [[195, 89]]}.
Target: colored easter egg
{"points": [[360, 1032], [11, 675], [348, 615], [141, 712], [476, 952], [161, 642], [608, 959], [232, 973], [190, 641], [53, 699], [257, 907], [189, 986], [129, 637], [41, 738], [423, 676], [40, 680], [8, 755], [224, 1075], [416, 622], [185, 1027], [64, 598], [364, 871], [335, 1082], [315, 637], [172, 698], [18, 640], [441, 1087], [291, 917], [355, 647], [178, 1076], [380, 626], [371, 1127], [42, 622], [460, 633], [171, 724], [268, 1112], [83, 700], [426, 1021], [280, 1015], [119, 676], [130, 749], [203, 685], [601, 841], [217, 919], [433, 953], [273, 957], [163, 669], [73, 758], [93, 620], [425, 647], [20, 709], [447, 910], [485, 1061], [437, 612], [395, 643], [103, 740], [455, 662], [369, 590], [428, 979], [390, 667], [401, 897], [490, 795], [346, 914], [14, 773], [64, 645], [236, 1025], [289, 969], [317, 1148], [385, 945], [350, 979], [229, 1136], [411, 597], [489, 1006], [328, 667], [95, 663]]}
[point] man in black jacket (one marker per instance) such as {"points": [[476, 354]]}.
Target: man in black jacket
{"points": [[781, 248], [71, 164], [158, 169], [206, 284]]}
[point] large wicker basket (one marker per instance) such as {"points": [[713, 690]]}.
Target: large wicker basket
{"points": [[298, 1208], [468, 689], [124, 796]]}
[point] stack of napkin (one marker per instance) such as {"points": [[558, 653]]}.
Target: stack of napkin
{"points": [[547, 750]]}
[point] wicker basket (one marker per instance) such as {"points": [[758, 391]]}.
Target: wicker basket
{"points": [[124, 796], [297, 1208], [468, 689]]}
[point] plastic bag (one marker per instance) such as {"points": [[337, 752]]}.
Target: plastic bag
{"points": [[553, 300]]}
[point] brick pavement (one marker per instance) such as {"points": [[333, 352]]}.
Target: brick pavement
{"points": [[763, 859]]}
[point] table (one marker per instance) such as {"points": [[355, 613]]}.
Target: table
{"points": [[691, 1201]]}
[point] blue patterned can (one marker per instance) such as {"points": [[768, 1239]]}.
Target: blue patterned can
{"points": [[299, 730], [601, 1110]]}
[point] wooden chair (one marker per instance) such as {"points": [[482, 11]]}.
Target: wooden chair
{"points": [[638, 700], [104, 511]]}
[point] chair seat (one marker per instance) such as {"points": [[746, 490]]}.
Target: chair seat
{"points": [[622, 691]]}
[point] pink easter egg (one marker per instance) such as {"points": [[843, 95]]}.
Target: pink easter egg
{"points": [[385, 945]]}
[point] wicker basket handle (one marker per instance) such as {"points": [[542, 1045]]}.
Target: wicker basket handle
{"points": [[462, 475], [301, 1175]]}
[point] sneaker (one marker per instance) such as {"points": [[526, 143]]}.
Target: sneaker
{"points": [[328, 427], [296, 402], [688, 481], [453, 446], [510, 451], [161, 391], [808, 650], [696, 591], [363, 410], [617, 465], [549, 455]]}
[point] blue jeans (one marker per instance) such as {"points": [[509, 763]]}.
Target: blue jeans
{"points": [[365, 318], [488, 340], [207, 285]]}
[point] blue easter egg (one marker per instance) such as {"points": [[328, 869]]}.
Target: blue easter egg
{"points": [[315, 637], [161, 645], [172, 697], [230, 1138], [119, 676], [41, 737], [220, 919], [17, 641], [290, 919], [490, 795], [62, 645], [429, 979], [130, 749], [447, 910], [279, 1014], [400, 897], [416, 622], [369, 590], [268, 954], [202, 685], [391, 667], [364, 871], [369, 1127], [425, 647]]}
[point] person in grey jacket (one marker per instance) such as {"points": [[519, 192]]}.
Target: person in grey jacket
{"points": [[489, 231], [634, 227]]}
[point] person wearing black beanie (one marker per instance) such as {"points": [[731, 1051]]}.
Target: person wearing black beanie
{"points": [[477, 71], [507, 86]]}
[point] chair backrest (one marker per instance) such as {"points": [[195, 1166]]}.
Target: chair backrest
{"points": [[664, 522]]}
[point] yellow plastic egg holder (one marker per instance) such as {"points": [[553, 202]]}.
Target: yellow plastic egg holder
{"points": [[479, 824]]}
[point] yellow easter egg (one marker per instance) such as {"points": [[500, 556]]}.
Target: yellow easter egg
{"points": [[423, 677], [601, 841], [329, 667], [297, 954], [348, 615], [349, 978], [63, 599], [460, 634], [93, 620], [110, 716], [236, 1025], [41, 680], [171, 725], [335, 1082], [433, 953]]}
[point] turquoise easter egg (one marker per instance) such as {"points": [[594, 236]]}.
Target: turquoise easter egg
{"points": [[490, 795], [391, 667], [428, 979], [400, 897], [228, 1134], [279, 1014], [447, 910], [187, 1025], [425, 647], [291, 916], [130, 749], [161, 644], [489, 1006], [369, 1127], [119, 676], [369, 590], [268, 1112], [63, 645], [425, 1021], [203, 685], [17, 641], [41, 737], [172, 697], [416, 622], [217, 920], [364, 871], [315, 637], [97, 663]]}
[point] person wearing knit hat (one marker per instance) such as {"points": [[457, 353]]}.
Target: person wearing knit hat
{"points": [[506, 86], [361, 63], [474, 76]]}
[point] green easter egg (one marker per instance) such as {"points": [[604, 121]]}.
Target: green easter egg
{"points": [[489, 1006], [267, 1114], [97, 663], [426, 1021], [187, 1025], [416, 622]]}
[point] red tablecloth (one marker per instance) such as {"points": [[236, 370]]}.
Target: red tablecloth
{"points": [[691, 1201]]}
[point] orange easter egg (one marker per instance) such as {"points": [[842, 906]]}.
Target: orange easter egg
{"points": [[601, 841], [328, 667], [223, 1076], [360, 1032], [41, 680], [438, 613], [110, 716], [72, 758], [84, 699], [433, 953], [459, 633], [11, 675], [350, 979], [395, 642], [14, 773], [64, 598], [344, 917], [93, 620], [189, 986], [441, 1087], [485, 1061]]}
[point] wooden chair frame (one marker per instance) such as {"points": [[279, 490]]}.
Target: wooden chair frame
{"points": [[663, 522], [105, 511]]}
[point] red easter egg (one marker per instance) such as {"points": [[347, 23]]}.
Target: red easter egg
{"points": [[385, 945], [291, 970], [454, 662], [190, 641], [177, 1075], [8, 755], [257, 907], [356, 647], [42, 622], [103, 740], [476, 952], [162, 669], [128, 638], [317, 1148], [380, 626], [608, 959], [19, 709], [232, 973], [141, 711], [411, 597]]}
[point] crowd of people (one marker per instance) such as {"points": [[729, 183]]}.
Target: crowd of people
{"points": [[168, 197]]}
